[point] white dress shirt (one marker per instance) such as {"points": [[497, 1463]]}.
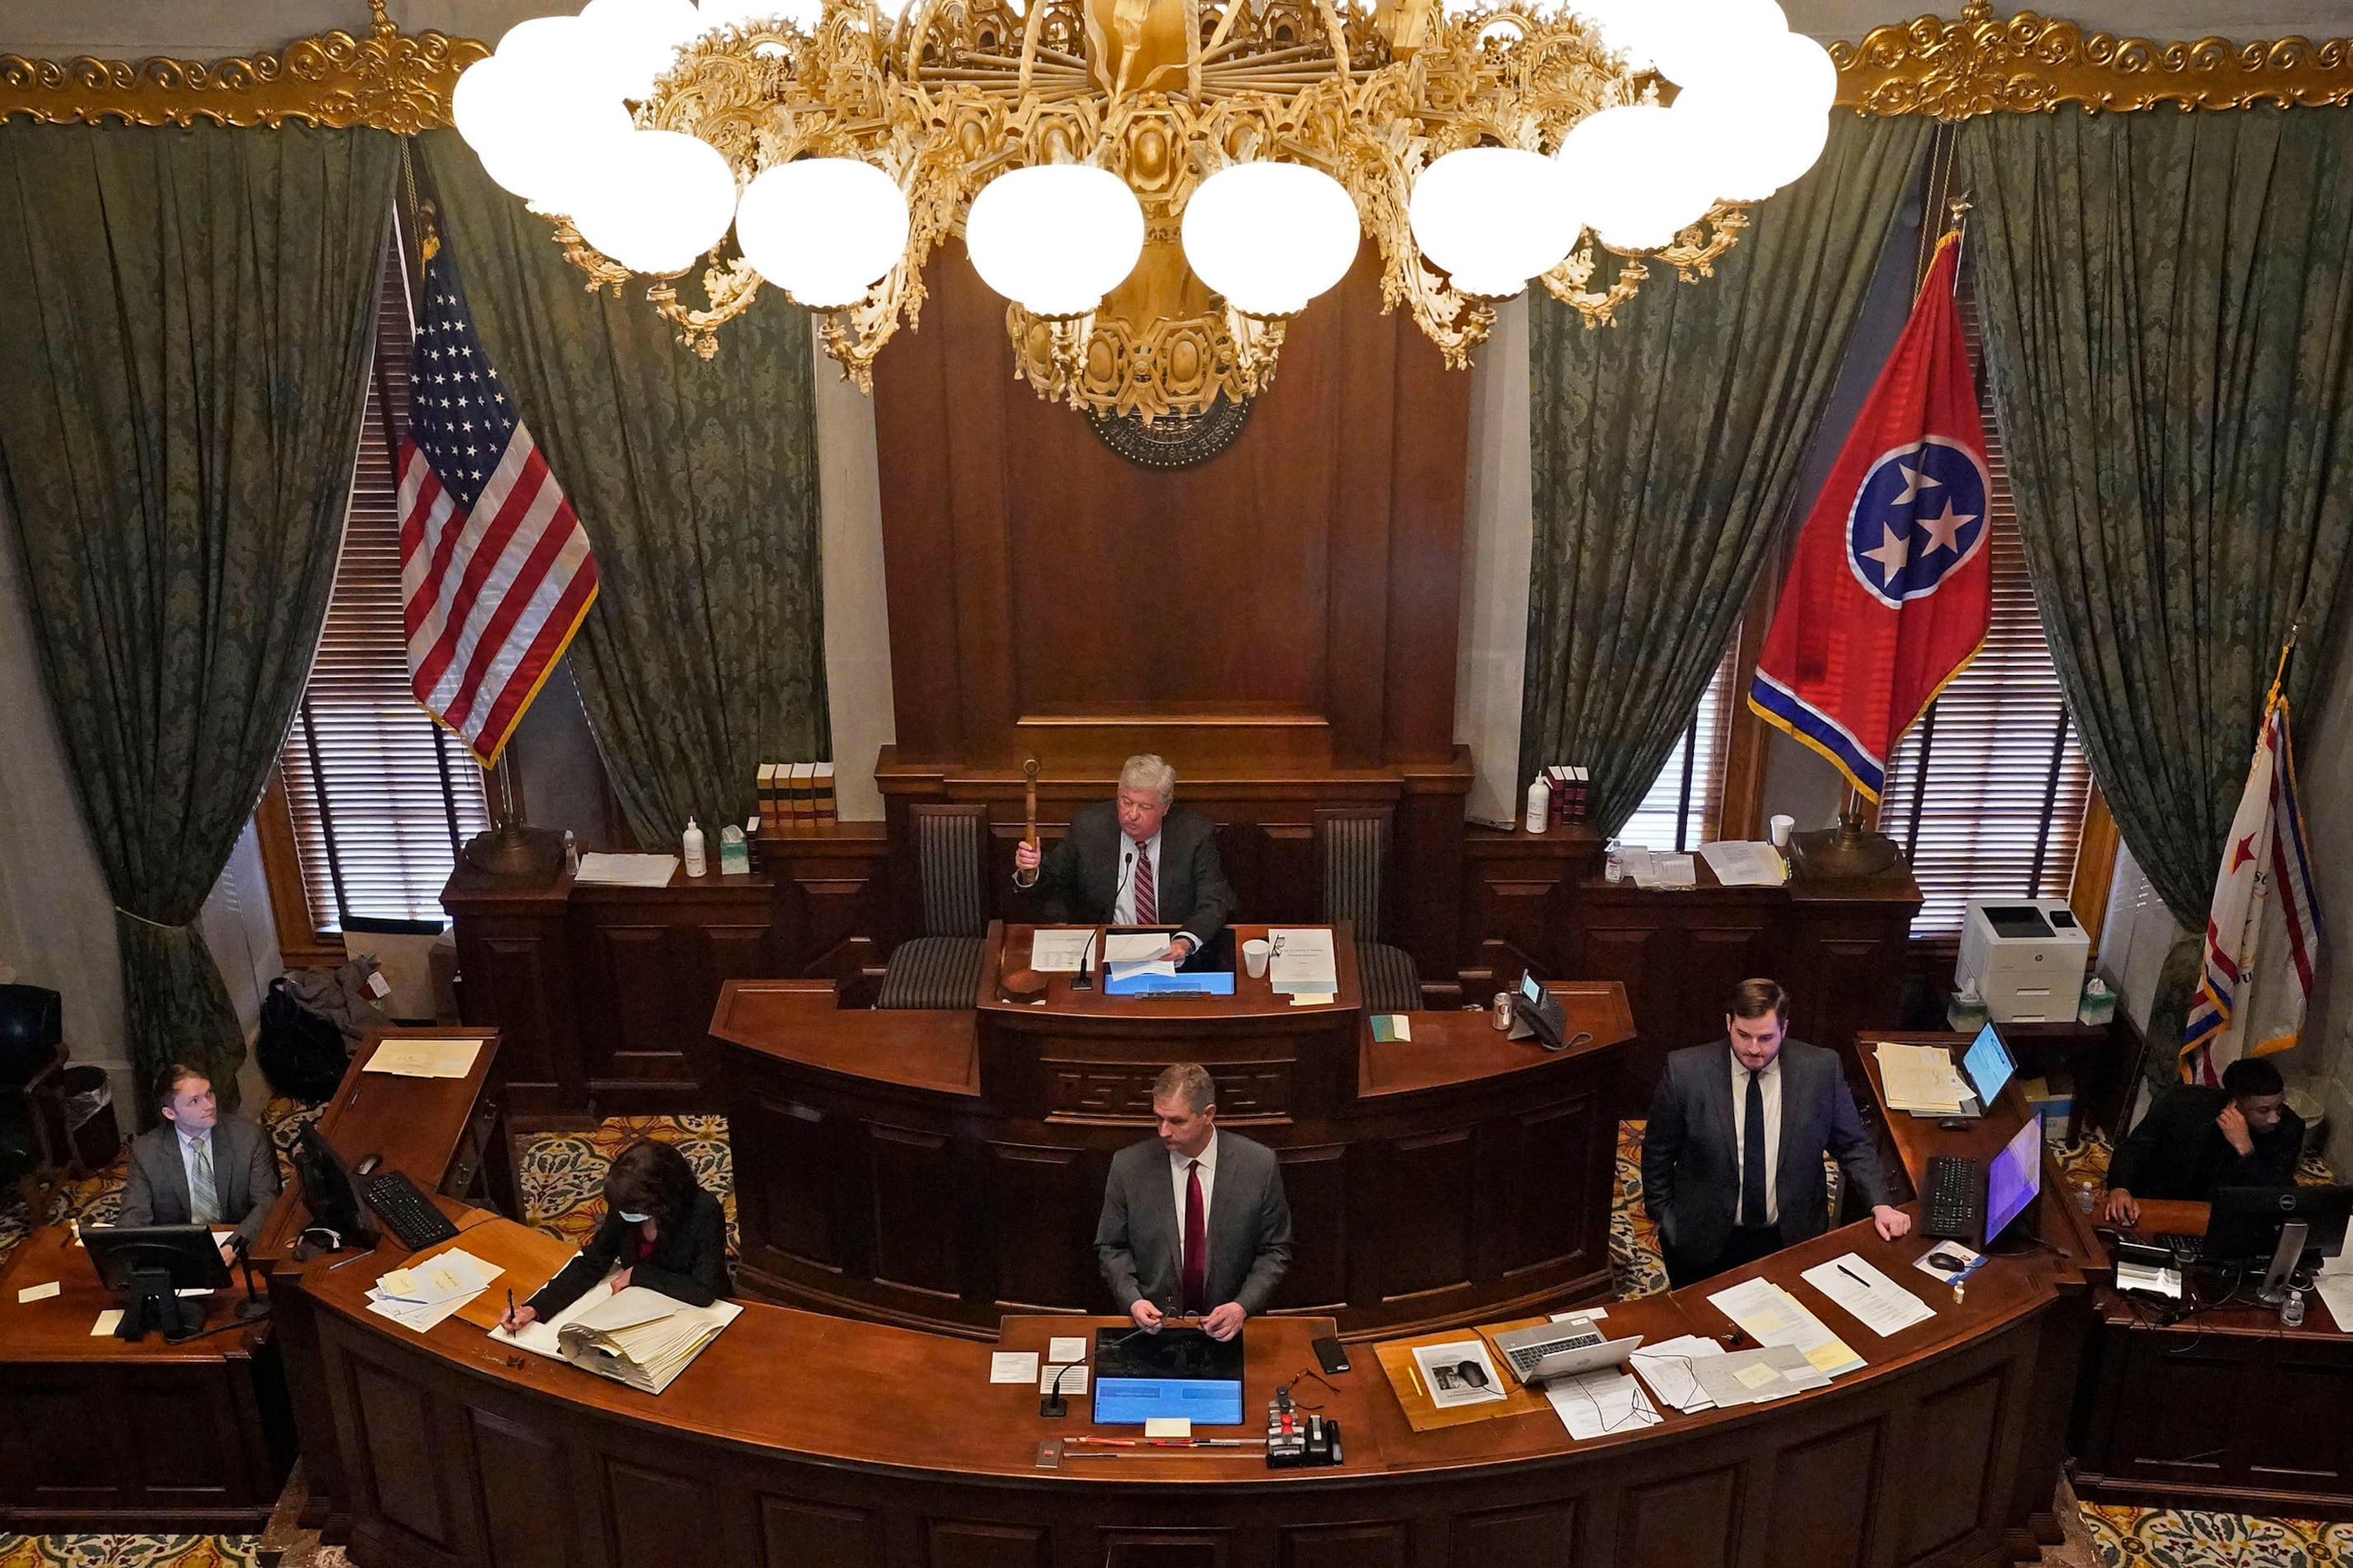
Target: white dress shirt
{"points": [[189, 1145], [1769, 1078], [1179, 1167], [1123, 909]]}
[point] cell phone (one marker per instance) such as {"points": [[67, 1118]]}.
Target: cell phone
{"points": [[1331, 1354]]}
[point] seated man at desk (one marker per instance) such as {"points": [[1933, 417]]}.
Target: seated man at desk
{"points": [[2195, 1138], [200, 1167], [1194, 1221], [1136, 859], [661, 1229], [1732, 1155]]}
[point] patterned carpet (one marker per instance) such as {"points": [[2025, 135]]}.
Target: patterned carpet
{"points": [[562, 1175]]}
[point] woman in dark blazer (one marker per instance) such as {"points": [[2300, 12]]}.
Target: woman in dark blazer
{"points": [[660, 1228]]}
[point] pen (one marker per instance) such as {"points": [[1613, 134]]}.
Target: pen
{"points": [[510, 1304], [1853, 1276]]}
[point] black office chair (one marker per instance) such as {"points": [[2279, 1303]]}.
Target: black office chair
{"points": [[940, 968], [1352, 845]]}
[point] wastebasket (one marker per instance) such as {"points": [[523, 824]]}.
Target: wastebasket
{"points": [[89, 1117]]}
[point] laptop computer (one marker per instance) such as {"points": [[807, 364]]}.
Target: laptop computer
{"points": [[1561, 1350], [1182, 1372]]}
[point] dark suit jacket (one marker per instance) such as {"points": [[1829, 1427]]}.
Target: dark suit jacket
{"points": [[1690, 1163], [688, 1262], [244, 1177], [1079, 877], [2176, 1152], [1140, 1242]]}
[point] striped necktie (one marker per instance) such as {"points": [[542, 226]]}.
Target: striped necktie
{"points": [[203, 1195], [1147, 905]]}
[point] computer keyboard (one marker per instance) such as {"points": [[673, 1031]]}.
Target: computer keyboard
{"points": [[1525, 1359], [405, 1211], [2185, 1247], [1952, 1199]]}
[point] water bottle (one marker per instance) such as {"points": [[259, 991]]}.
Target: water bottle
{"points": [[1613, 865], [2292, 1310]]}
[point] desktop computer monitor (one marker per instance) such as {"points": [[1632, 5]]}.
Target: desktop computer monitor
{"points": [[1989, 1066], [1175, 1372], [2243, 1223], [2013, 1178], [149, 1266], [329, 1191]]}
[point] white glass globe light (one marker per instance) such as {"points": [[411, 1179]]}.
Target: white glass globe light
{"points": [[1271, 236], [663, 199], [1495, 217], [823, 229], [637, 41], [1768, 128], [1055, 237], [1715, 41], [530, 126], [1640, 175]]}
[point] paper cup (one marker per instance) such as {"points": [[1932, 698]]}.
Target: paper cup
{"points": [[1780, 828], [1254, 957]]}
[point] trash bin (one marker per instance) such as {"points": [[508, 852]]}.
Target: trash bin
{"points": [[89, 1117]]}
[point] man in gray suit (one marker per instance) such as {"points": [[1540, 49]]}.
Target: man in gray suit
{"points": [[1137, 859], [200, 1167], [1732, 1156], [1194, 1222]]}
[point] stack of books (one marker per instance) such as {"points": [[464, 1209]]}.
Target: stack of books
{"points": [[796, 797], [1569, 787]]}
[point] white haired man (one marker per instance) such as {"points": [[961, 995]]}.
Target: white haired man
{"points": [[1139, 859]]}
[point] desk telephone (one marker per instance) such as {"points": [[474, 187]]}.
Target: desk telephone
{"points": [[1536, 1014]]}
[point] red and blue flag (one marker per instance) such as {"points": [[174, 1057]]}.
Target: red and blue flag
{"points": [[1890, 592]]}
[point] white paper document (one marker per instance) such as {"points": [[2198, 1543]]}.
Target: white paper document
{"points": [[107, 1321], [1596, 1404], [1745, 863], [1141, 967], [2335, 1288], [1013, 1366], [1667, 1368], [1304, 960], [1878, 1303], [626, 870], [1063, 1351], [421, 1294], [1133, 947], [641, 1337], [1772, 1316], [1920, 1077], [1756, 1377], [2151, 1277], [425, 1059], [38, 1292], [1074, 1379], [1458, 1373], [1675, 870], [1060, 950]]}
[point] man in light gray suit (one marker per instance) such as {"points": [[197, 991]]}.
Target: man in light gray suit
{"points": [[1194, 1222], [200, 1167], [1732, 1156]]}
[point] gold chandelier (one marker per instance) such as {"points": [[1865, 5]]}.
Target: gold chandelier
{"points": [[844, 146]]}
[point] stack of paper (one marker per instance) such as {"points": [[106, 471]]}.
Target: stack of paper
{"points": [[1596, 1404], [1756, 1377], [2335, 1287], [1878, 1303], [1667, 1367], [1772, 1316], [425, 1059], [1060, 950], [642, 1337], [1303, 962], [1745, 863], [422, 1294], [1920, 1078], [627, 870]]}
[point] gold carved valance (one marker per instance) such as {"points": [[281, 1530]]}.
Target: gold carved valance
{"points": [[1980, 64]]}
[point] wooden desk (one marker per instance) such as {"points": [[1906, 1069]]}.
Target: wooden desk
{"points": [[805, 1440], [887, 1168], [104, 1433]]}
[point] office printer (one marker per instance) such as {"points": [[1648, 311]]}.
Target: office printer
{"points": [[2027, 958]]}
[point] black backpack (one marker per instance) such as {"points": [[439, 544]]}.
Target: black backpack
{"points": [[302, 1054]]}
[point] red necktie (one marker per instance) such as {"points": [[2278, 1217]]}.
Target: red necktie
{"points": [[1147, 907], [1196, 1244]]}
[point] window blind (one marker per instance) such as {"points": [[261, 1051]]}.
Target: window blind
{"points": [[1681, 808], [1986, 793], [381, 797]]}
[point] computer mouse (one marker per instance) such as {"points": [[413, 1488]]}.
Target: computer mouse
{"points": [[1953, 1125]]}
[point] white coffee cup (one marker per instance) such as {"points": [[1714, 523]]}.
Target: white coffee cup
{"points": [[1780, 828], [1254, 957]]}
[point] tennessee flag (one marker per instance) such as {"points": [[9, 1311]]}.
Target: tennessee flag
{"points": [[1891, 589], [2263, 928]]}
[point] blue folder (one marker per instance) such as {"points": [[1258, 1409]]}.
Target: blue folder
{"points": [[1206, 983]]}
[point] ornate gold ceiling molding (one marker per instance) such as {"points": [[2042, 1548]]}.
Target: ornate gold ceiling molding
{"points": [[389, 79], [1983, 64]]}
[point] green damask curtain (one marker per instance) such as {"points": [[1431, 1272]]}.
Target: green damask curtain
{"points": [[696, 480], [182, 363], [1667, 450], [2168, 299]]}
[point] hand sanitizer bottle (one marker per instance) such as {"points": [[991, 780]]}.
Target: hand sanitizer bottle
{"points": [[695, 863]]}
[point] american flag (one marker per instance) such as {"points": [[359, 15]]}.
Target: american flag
{"points": [[495, 570]]}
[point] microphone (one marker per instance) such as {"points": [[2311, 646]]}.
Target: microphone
{"points": [[1052, 1405], [1126, 866]]}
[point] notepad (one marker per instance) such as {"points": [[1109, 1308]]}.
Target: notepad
{"points": [[425, 1059]]}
